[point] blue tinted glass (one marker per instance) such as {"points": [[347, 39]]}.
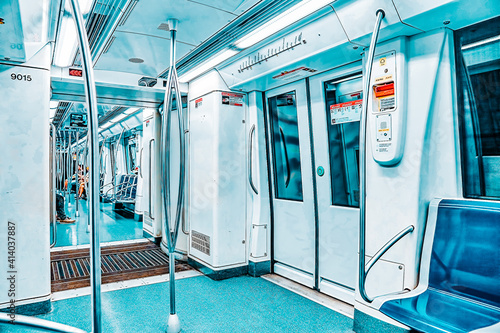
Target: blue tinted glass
{"points": [[478, 93], [286, 150], [343, 139]]}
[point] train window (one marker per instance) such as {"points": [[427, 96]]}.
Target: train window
{"points": [[285, 143], [343, 109], [478, 93], [131, 152]]}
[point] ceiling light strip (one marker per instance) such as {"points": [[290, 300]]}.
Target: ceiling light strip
{"points": [[241, 25]]}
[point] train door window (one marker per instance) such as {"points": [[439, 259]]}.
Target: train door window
{"points": [[113, 157], [478, 93], [285, 143], [131, 151], [343, 109]]}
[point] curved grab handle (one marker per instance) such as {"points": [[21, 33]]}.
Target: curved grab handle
{"points": [[140, 162], [53, 180], [362, 160], [250, 150], [381, 252], [287, 180], [33, 322], [387, 246], [151, 215]]}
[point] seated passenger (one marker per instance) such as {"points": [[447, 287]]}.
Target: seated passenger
{"points": [[83, 179], [60, 211]]}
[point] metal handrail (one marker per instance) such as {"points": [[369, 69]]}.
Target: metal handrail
{"points": [[77, 163], [387, 246], [287, 180], [93, 143], [124, 189], [68, 161], [101, 151], [150, 182], [250, 149], [53, 181], [33, 322], [115, 156], [106, 185], [140, 162], [171, 231], [121, 189], [362, 159]]}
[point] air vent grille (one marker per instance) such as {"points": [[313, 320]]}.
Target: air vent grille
{"points": [[200, 242], [108, 44], [111, 114], [62, 109], [164, 26], [127, 13]]}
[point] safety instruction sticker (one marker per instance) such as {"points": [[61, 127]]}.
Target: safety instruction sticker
{"points": [[387, 103], [198, 102], [346, 112], [232, 99]]}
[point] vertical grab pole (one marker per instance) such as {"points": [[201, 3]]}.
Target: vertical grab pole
{"points": [[171, 231], [77, 183], [68, 163], [54, 185], [362, 152], [70, 160], [93, 189], [65, 162]]}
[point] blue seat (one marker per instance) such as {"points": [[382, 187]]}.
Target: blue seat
{"points": [[126, 190], [463, 292]]}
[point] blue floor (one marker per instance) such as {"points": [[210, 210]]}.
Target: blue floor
{"points": [[242, 304], [114, 227]]}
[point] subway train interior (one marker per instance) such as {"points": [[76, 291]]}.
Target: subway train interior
{"points": [[250, 166]]}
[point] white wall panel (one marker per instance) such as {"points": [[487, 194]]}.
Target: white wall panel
{"points": [[24, 184]]}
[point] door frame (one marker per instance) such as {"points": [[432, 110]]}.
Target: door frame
{"points": [[345, 72]]}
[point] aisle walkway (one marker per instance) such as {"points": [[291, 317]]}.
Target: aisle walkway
{"points": [[242, 304], [114, 227]]}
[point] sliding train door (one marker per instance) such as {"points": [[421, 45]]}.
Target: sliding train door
{"points": [[335, 109], [294, 222], [314, 145]]}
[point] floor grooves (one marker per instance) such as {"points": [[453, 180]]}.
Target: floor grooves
{"points": [[70, 269]]}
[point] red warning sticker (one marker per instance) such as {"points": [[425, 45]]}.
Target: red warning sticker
{"points": [[232, 99], [346, 112], [75, 72], [198, 102], [294, 73]]}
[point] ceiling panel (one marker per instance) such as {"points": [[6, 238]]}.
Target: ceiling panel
{"points": [[196, 21], [139, 36], [235, 6], [153, 50]]}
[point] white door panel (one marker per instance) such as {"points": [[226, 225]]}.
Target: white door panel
{"points": [[335, 105], [294, 225], [338, 223], [294, 235]]}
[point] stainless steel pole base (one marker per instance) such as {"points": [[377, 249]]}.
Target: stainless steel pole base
{"points": [[174, 324]]}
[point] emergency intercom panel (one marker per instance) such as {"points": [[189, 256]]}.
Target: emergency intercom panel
{"points": [[387, 102]]}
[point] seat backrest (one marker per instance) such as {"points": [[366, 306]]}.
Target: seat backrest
{"points": [[133, 187], [465, 256], [122, 183]]}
